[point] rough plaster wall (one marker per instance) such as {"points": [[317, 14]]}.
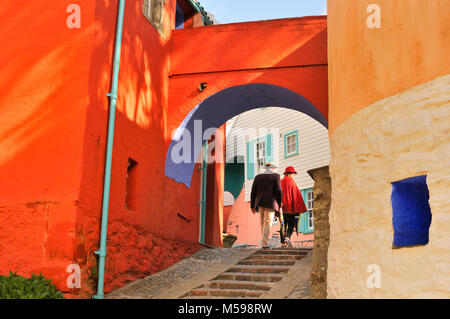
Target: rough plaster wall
{"points": [[401, 136]]}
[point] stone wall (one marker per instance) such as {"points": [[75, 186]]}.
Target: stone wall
{"points": [[134, 253], [322, 199], [395, 138]]}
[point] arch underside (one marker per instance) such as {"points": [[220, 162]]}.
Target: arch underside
{"points": [[222, 106]]}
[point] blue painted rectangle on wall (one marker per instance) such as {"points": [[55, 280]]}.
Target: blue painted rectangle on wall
{"points": [[411, 211]]}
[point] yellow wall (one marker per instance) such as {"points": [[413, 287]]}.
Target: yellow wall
{"points": [[366, 65], [388, 118]]}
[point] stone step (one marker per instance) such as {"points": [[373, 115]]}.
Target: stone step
{"points": [[275, 257], [249, 277], [259, 269], [284, 251], [243, 293], [267, 262], [236, 284]]}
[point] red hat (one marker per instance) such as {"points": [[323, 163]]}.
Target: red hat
{"points": [[289, 169]]}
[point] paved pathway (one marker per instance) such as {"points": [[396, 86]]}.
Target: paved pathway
{"points": [[202, 271]]}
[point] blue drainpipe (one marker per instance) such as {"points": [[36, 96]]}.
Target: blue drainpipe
{"points": [[109, 149]]}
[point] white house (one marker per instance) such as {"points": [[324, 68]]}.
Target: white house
{"points": [[283, 136]]}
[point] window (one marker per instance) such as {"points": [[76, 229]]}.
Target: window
{"points": [[411, 212], [259, 152], [130, 193], [291, 144], [153, 11], [260, 155], [179, 18], [309, 206]]}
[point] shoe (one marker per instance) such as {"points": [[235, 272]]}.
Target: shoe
{"points": [[288, 243]]}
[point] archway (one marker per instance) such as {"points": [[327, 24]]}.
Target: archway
{"points": [[218, 108]]}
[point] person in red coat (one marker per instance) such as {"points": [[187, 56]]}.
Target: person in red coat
{"points": [[292, 206]]}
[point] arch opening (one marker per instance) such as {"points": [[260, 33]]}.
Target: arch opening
{"points": [[214, 111]]}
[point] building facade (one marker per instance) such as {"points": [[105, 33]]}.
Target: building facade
{"points": [[282, 136], [377, 76]]}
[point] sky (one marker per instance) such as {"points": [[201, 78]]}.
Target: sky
{"points": [[231, 11]]}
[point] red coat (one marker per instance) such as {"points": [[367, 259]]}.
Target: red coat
{"points": [[292, 198]]}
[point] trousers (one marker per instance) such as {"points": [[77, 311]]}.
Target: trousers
{"points": [[290, 223], [266, 216]]}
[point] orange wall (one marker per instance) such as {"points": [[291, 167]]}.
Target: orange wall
{"points": [[152, 236], [53, 126], [366, 65], [43, 105], [290, 53]]}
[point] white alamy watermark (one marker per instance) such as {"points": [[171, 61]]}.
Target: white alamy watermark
{"points": [[74, 279], [374, 279], [374, 19], [187, 144], [73, 21]]}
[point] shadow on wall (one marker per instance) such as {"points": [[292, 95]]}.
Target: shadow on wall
{"points": [[144, 238]]}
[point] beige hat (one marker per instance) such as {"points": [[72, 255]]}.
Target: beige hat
{"points": [[270, 165]]}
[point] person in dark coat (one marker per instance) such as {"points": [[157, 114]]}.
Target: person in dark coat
{"points": [[292, 206], [266, 199]]}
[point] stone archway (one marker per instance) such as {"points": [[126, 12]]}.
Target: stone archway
{"points": [[214, 111]]}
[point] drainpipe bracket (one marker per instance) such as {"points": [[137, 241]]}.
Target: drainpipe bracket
{"points": [[112, 95], [101, 253]]}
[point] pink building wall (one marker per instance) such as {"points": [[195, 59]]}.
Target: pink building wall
{"points": [[246, 225]]}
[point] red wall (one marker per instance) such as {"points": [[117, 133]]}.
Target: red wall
{"points": [[53, 125], [43, 105], [290, 53], [53, 128], [152, 236]]}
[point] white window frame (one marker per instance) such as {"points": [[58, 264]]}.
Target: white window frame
{"points": [[153, 10], [293, 137], [289, 137], [260, 157]]}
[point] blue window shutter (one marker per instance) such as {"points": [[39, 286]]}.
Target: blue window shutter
{"points": [[251, 160], [269, 150], [307, 230], [302, 223]]}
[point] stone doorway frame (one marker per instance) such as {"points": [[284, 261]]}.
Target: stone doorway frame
{"points": [[321, 210]]}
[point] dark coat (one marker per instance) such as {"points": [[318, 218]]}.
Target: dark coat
{"points": [[266, 191]]}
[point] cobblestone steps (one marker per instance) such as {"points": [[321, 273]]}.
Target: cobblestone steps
{"points": [[252, 276], [267, 262], [280, 256], [241, 293], [260, 269], [237, 284]]}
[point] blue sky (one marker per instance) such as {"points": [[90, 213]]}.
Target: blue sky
{"points": [[230, 11]]}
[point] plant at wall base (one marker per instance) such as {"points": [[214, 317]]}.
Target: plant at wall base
{"points": [[15, 286]]}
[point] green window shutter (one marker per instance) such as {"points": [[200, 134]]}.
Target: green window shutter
{"points": [[269, 148], [302, 223], [307, 230], [251, 160]]}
